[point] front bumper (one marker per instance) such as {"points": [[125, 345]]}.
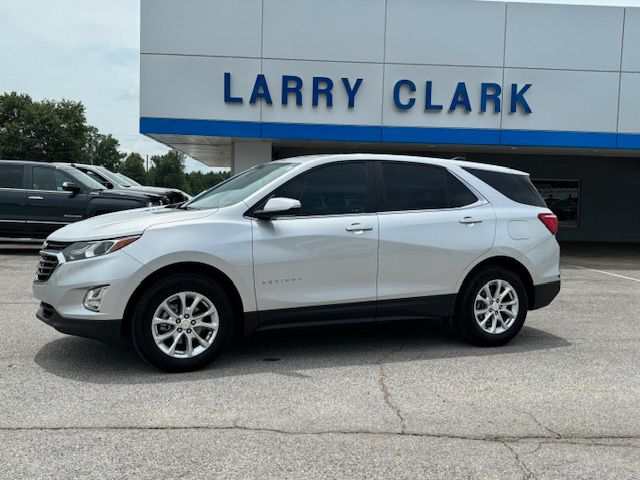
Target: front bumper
{"points": [[544, 294], [108, 331], [67, 287]]}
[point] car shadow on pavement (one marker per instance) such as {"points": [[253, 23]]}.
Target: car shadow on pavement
{"points": [[285, 352]]}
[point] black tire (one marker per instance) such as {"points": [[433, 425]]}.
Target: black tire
{"points": [[464, 317], [141, 325]]}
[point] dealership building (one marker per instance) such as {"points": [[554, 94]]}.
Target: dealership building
{"points": [[550, 89]]}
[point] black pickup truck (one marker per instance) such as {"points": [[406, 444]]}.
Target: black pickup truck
{"points": [[37, 198]]}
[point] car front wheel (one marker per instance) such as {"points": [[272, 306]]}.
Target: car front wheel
{"points": [[182, 323], [492, 308]]}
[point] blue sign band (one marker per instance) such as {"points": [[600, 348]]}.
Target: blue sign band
{"points": [[388, 134]]}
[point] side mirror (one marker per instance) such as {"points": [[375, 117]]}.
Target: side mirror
{"points": [[71, 187], [278, 206]]}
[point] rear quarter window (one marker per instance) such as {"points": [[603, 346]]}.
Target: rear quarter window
{"points": [[11, 176], [515, 186]]}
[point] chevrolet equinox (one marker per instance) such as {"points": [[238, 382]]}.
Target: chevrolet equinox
{"points": [[307, 241]]}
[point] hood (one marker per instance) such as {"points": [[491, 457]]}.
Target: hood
{"points": [[124, 223], [143, 188], [132, 194], [156, 190]]}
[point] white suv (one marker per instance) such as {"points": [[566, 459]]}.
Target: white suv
{"points": [[307, 241]]}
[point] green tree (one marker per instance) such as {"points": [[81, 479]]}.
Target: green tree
{"points": [[57, 131], [168, 170], [51, 131], [133, 167], [102, 149], [199, 182]]}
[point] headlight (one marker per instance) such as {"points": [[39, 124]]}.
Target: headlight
{"points": [[82, 250]]}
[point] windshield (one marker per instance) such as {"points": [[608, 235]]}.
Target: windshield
{"points": [[112, 177], [84, 179], [126, 181], [239, 187]]}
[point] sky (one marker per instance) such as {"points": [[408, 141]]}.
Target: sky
{"points": [[89, 50], [85, 50]]}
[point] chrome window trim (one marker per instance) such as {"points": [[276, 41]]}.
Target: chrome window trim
{"points": [[333, 215], [48, 223], [48, 191], [480, 202], [13, 221], [13, 189]]}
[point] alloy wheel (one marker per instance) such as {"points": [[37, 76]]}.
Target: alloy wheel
{"points": [[185, 324], [496, 306]]}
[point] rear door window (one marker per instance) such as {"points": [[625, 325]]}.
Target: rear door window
{"points": [[517, 187], [414, 186], [11, 176]]}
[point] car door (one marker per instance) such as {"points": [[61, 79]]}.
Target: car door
{"points": [[321, 263], [49, 206], [432, 227], [13, 197]]}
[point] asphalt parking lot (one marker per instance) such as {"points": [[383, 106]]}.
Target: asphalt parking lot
{"points": [[384, 401]]}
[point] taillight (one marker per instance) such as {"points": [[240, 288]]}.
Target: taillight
{"points": [[550, 221]]}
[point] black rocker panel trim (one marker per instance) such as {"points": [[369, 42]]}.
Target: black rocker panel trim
{"points": [[435, 306]]}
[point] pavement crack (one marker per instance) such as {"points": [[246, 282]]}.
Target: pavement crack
{"points": [[538, 422], [386, 397], [235, 425], [384, 388], [528, 474]]}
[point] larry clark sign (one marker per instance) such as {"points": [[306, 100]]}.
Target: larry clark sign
{"points": [[288, 89]]}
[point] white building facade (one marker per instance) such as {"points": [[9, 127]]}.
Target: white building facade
{"points": [[550, 89]]}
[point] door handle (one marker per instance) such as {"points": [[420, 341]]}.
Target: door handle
{"points": [[35, 197], [358, 228], [469, 221]]}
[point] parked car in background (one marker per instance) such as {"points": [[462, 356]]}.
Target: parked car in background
{"points": [[37, 198], [308, 240], [116, 181]]}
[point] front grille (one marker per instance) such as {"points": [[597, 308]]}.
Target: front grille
{"points": [[47, 264], [48, 260], [50, 246]]}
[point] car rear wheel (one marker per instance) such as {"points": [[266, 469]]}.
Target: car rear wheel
{"points": [[182, 323], [492, 308]]}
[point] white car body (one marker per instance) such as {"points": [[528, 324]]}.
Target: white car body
{"points": [[303, 270]]}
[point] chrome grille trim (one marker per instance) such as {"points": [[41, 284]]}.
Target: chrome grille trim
{"points": [[49, 259]]}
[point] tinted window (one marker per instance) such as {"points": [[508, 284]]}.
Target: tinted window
{"points": [[517, 187], [11, 176], [83, 179], [412, 186], [48, 179], [332, 190], [457, 194], [94, 176]]}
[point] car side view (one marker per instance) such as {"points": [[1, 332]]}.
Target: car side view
{"points": [[307, 241], [36, 198], [117, 181]]}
